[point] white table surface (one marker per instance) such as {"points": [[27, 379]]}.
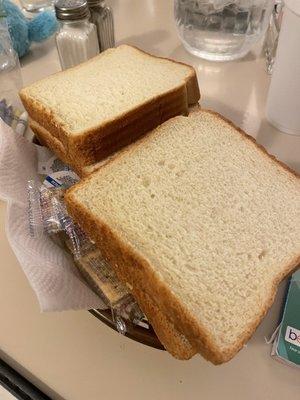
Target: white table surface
{"points": [[71, 355]]}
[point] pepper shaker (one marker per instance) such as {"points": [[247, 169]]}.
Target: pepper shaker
{"points": [[283, 102], [76, 38], [102, 17]]}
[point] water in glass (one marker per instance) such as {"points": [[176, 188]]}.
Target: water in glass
{"points": [[221, 30]]}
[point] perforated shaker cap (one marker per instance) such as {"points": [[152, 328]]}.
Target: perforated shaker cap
{"points": [[71, 9]]}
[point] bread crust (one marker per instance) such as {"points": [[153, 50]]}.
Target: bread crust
{"points": [[99, 149], [85, 146], [55, 145], [174, 342], [121, 253], [90, 149], [193, 92], [246, 136]]}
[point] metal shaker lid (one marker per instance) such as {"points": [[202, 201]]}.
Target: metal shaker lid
{"points": [[71, 9], [93, 3]]}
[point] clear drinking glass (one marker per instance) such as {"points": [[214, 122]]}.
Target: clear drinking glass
{"points": [[10, 72], [221, 30], [36, 5], [272, 35]]}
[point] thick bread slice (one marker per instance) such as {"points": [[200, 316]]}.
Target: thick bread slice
{"points": [[46, 139], [123, 92], [111, 143], [206, 217], [108, 145]]}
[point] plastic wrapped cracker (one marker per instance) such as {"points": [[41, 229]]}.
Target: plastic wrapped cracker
{"points": [[35, 220], [102, 278], [57, 221], [52, 223]]}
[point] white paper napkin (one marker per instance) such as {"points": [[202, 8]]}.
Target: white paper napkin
{"points": [[49, 269]]}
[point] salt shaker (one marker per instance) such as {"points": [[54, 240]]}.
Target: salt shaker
{"points": [[102, 17], [283, 104], [76, 38]]}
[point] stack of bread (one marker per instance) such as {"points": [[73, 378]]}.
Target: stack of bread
{"points": [[86, 113], [199, 221]]}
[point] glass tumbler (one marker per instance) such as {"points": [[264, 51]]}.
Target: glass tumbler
{"points": [[221, 30], [10, 72]]}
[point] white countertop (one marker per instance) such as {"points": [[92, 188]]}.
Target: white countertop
{"points": [[71, 355]]}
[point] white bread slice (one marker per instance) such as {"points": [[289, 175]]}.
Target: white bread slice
{"points": [[204, 221], [107, 102]]}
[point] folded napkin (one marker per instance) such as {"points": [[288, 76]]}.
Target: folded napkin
{"points": [[49, 269]]}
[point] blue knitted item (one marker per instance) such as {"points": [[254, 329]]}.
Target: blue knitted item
{"points": [[42, 26], [23, 31]]}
